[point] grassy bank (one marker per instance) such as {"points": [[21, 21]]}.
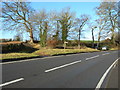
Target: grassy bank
{"points": [[16, 55], [115, 48], [62, 51], [45, 52]]}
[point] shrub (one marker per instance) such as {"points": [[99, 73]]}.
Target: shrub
{"points": [[11, 47], [51, 43]]}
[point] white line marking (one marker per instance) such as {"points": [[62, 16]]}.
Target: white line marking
{"points": [[114, 65], [72, 54], [84, 53], [104, 75], [62, 66], [28, 60], [14, 81], [21, 61], [105, 53], [92, 57], [33, 59]]}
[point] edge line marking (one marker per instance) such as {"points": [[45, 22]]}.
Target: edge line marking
{"points": [[105, 74]]}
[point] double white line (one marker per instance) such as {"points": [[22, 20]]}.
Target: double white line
{"points": [[105, 74]]}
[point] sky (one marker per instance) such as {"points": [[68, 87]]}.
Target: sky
{"points": [[78, 7]]}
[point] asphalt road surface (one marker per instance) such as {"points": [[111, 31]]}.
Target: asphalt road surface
{"points": [[85, 70]]}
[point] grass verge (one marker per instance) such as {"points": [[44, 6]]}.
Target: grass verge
{"points": [[62, 51], [45, 52], [16, 55], [115, 48]]}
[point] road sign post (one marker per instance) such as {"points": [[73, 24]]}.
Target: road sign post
{"points": [[65, 44]]}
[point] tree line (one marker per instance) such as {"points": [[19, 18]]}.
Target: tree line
{"points": [[43, 25]]}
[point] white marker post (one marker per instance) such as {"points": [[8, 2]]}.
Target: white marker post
{"points": [[65, 44]]}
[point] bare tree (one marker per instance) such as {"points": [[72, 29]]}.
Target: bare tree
{"points": [[55, 22], [16, 15], [41, 23], [79, 24], [93, 27], [103, 31], [108, 10]]}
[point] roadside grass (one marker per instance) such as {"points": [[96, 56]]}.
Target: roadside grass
{"points": [[16, 55], [45, 52], [49, 52], [115, 48], [88, 41], [84, 41]]}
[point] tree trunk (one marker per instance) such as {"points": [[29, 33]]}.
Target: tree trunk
{"points": [[30, 30], [98, 43], [93, 39], [99, 34], [31, 37], [113, 38], [79, 38]]}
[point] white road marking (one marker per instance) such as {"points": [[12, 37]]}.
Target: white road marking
{"points": [[84, 53], [73, 54], [28, 60], [20, 61], [62, 66], [115, 65], [34, 59], [105, 53], [14, 81], [92, 57], [104, 75]]}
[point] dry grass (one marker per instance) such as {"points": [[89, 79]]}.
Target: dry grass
{"points": [[62, 51], [115, 48], [11, 42], [45, 52], [16, 55]]}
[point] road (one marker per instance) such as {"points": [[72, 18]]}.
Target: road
{"points": [[85, 70]]}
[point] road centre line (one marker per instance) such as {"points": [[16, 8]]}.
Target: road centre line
{"points": [[105, 53], [63, 66], [104, 75], [11, 82], [92, 57]]}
